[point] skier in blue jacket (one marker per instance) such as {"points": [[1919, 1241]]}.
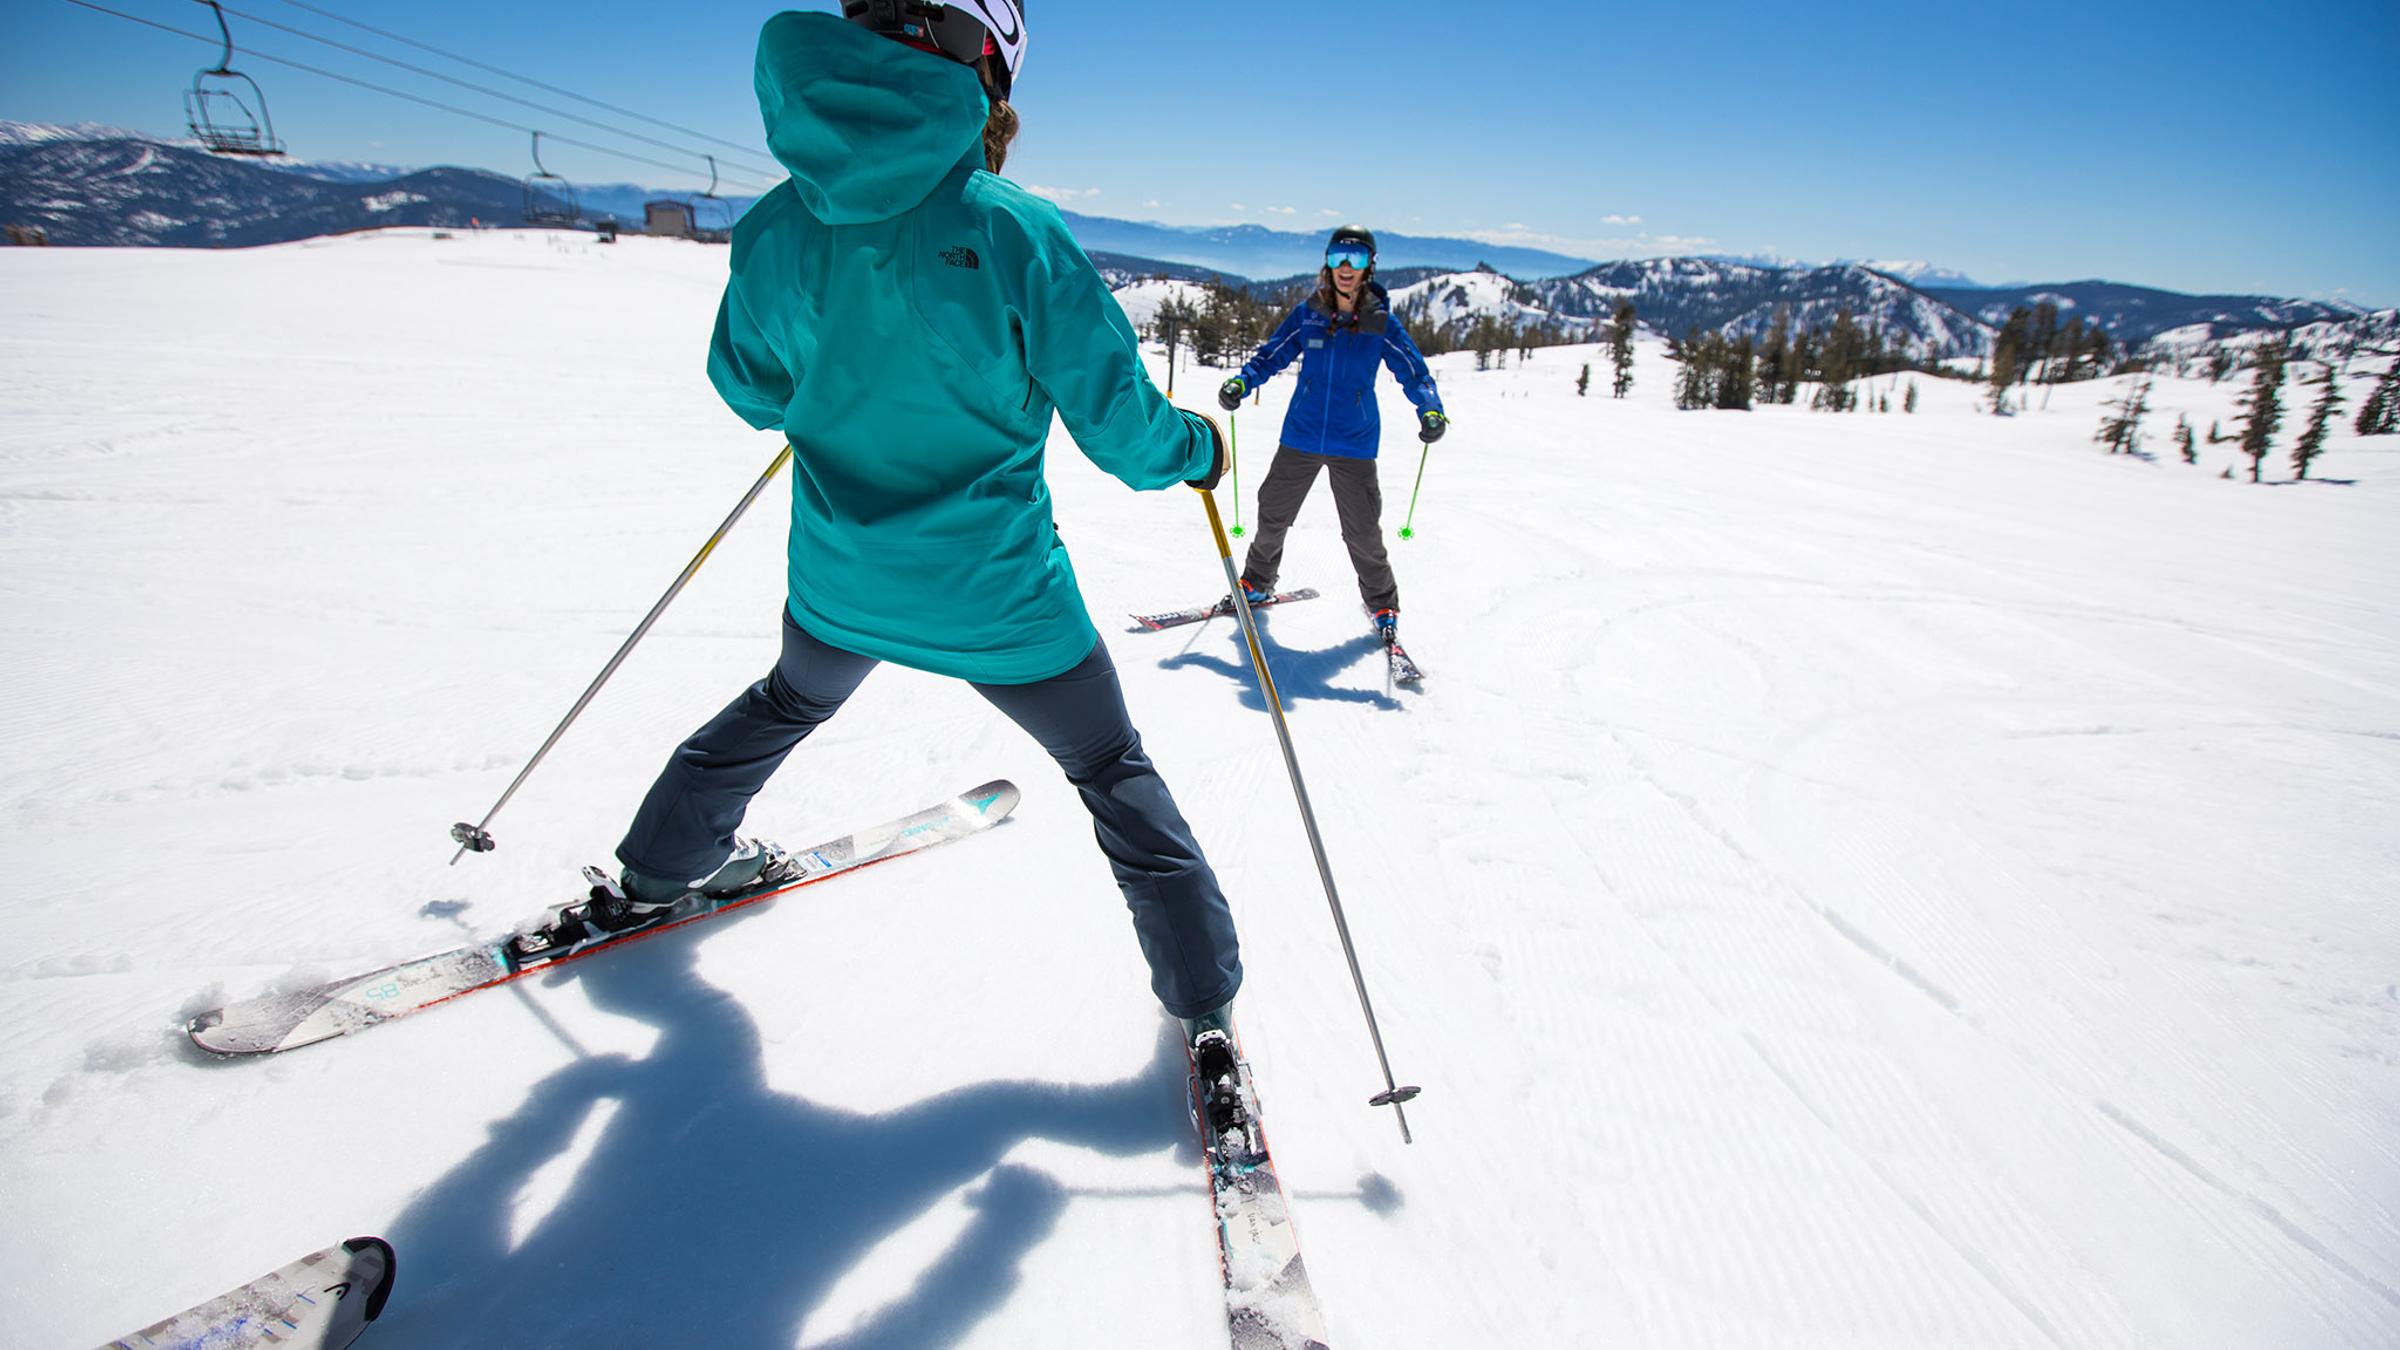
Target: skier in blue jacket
{"points": [[910, 320], [1340, 335]]}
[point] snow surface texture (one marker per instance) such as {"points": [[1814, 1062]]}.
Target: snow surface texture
{"points": [[1864, 880]]}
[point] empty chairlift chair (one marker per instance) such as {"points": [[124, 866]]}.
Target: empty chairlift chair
{"points": [[712, 215], [217, 111], [549, 199]]}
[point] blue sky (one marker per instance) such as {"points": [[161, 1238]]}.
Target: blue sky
{"points": [[2198, 145]]}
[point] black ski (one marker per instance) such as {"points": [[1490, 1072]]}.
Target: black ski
{"points": [[1221, 609]]}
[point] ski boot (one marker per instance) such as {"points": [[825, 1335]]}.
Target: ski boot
{"points": [[1256, 595], [644, 895], [1220, 1092], [1387, 626]]}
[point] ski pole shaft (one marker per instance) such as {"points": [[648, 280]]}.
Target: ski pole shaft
{"points": [[1408, 528], [1233, 466], [1393, 1094], [477, 838]]}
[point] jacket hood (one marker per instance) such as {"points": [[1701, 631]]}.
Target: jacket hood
{"points": [[867, 126]]}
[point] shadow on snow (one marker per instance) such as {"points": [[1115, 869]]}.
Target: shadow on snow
{"points": [[1300, 675], [715, 1210]]}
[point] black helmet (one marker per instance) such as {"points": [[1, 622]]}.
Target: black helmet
{"points": [[1353, 234], [961, 32]]}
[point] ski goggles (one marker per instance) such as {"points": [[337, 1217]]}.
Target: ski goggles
{"points": [[1353, 256]]}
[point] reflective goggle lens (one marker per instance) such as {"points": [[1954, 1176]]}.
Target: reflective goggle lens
{"points": [[1348, 256]]}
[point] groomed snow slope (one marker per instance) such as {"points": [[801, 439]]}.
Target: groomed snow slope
{"points": [[1861, 881]]}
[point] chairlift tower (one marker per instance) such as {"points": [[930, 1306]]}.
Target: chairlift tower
{"points": [[549, 199], [216, 112]]}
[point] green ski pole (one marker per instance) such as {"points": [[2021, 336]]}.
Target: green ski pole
{"points": [[1407, 528], [1233, 466]]}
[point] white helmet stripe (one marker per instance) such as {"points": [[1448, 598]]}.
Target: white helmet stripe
{"points": [[1005, 21]]}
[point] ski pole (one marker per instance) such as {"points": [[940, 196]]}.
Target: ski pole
{"points": [[1392, 1095], [1233, 466], [477, 838], [1408, 527]]}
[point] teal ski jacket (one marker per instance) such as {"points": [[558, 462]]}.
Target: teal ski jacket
{"points": [[910, 322]]}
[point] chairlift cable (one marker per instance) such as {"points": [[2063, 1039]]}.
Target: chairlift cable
{"points": [[402, 94], [463, 84], [521, 79]]}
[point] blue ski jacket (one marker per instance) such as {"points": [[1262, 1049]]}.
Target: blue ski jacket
{"points": [[1333, 411], [910, 323]]}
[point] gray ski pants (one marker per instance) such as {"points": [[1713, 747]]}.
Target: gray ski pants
{"points": [[686, 824], [1357, 502]]}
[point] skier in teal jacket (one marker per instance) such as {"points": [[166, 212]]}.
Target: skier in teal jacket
{"points": [[910, 321]]}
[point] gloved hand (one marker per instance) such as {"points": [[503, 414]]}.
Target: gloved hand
{"points": [[1229, 394], [1207, 482], [1431, 423]]}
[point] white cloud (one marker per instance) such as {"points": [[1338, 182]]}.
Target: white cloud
{"points": [[1620, 220], [1283, 210], [1329, 211], [1236, 206], [1152, 204], [1057, 194], [1639, 244]]}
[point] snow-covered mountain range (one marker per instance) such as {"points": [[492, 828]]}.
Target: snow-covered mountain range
{"points": [[97, 185]]}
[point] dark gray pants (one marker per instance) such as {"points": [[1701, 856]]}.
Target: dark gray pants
{"points": [[1357, 501], [685, 826]]}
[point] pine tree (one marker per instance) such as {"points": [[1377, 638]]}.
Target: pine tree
{"points": [[1737, 379], [2102, 350], [2262, 407], [1583, 382], [2121, 432], [2380, 414], [1837, 365], [1771, 358], [2184, 439], [2320, 421], [2013, 353], [1695, 383], [1909, 404], [1796, 365], [2041, 343], [1620, 348]]}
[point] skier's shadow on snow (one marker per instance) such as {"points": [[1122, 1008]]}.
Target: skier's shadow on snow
{"points": [[1299, 675], [714, 1210]]}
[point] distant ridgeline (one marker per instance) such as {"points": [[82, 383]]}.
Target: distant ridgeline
{"points": [[1792, 327], [128, 191], [98, 186]]}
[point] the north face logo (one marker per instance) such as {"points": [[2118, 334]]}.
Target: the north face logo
{"points": [[962, 256]]}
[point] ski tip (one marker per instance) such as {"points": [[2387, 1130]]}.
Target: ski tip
{"points": [[382, 1292], [992, 801]]}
